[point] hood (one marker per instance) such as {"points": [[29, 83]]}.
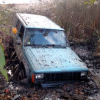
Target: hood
{"points": [[54, 60]]}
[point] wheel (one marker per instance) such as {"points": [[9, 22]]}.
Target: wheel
{"points": [[21, 74]]}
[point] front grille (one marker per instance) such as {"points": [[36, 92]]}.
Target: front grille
{"points": [[62, 76]]}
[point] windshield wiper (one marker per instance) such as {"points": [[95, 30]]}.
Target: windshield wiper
{"points": [[33, 45], [48, 45], [28, 45], [60, 46], [53, 45]]}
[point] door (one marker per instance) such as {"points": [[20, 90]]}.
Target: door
{"points": [[19, 40]]}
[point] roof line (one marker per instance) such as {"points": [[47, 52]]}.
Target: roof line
{"points": [[28, 23], [22, 18], [46, 28]]}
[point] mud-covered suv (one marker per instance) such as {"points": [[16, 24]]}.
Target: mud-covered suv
{"points": [[43, 49]]}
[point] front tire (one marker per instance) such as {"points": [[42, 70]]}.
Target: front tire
{"points": [[21, 74]]}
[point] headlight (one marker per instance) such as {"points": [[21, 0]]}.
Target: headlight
{"points": [[83, 74], [39, 76]]}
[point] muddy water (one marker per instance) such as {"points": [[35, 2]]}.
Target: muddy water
{"points": [[88, 90], [86, 55]]}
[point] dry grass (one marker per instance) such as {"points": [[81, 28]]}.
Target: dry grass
{"points": [[78, 20]]}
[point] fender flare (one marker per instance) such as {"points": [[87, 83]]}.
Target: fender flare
{"points": [[26, 68]]}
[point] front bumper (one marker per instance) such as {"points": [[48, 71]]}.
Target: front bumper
{"points": [[56, 79]]}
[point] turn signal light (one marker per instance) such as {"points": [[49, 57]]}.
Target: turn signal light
{"points": [[33, 78]]}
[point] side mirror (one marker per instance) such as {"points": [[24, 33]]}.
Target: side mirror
{"points": [[18, 41]]}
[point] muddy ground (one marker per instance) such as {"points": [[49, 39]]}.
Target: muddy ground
{"points": [[24, 90]]}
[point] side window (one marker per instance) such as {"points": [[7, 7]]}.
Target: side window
{"points": [[21, 32], [20, 29]]}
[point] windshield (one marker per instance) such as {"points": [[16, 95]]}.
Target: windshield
{"points": [[41, 37]]}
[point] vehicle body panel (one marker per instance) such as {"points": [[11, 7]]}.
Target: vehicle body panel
{"points": [[49, 60], [54, 60], [37, 21]]}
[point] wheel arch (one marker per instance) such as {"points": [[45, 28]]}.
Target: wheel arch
{"points": [[26, 67]]}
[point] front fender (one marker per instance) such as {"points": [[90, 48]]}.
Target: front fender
{"points": [[26, 68]]}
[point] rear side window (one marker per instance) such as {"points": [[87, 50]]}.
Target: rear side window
{"points": [[21, 32], [20, 29]]}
